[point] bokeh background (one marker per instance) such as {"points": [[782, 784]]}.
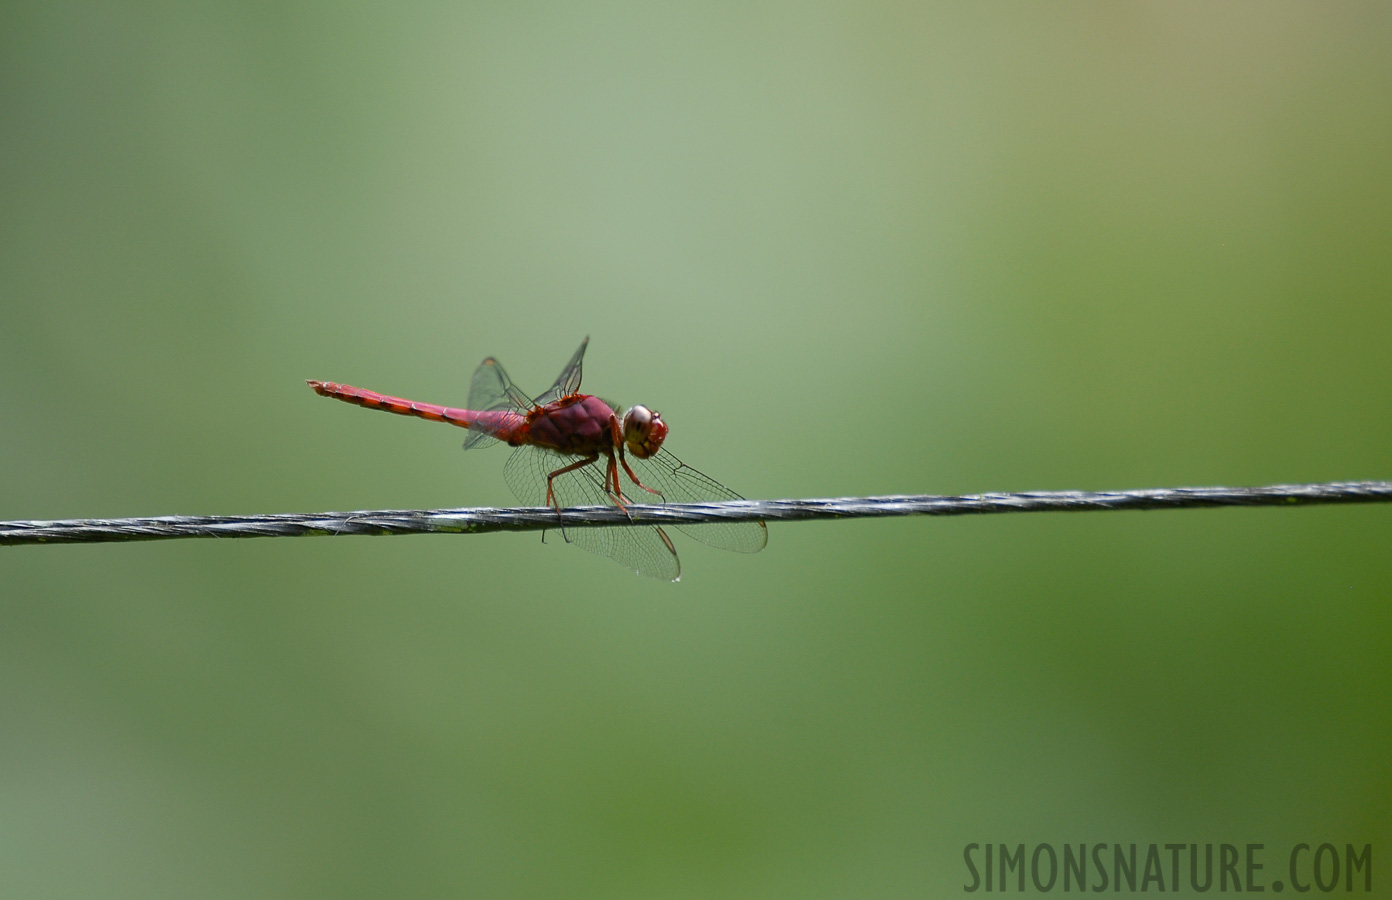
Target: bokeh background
{"points": [[847, 249]]}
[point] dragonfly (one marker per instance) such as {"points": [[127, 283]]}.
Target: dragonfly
{"points": [[574, 449]]}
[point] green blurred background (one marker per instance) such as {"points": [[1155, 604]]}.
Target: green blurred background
{"points": [[847, 249]]}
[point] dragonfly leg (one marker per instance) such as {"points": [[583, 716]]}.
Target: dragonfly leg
{"points": [[624, 463], [551, 487], [619, 446], [613, 488]]}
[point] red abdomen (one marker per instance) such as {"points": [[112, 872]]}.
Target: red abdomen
{"points": [[499, 423]]}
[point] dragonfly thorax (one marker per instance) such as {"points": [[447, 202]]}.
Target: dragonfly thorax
{"points": [[577, 424]]}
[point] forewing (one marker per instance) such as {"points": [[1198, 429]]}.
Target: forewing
{"points": [[643, 549], [679, 483], [568, 382], [492, 389]]}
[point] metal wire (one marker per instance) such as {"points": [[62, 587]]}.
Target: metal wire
{"points": [[483, 519]]}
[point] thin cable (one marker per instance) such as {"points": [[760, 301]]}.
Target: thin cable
{"points": [[483, 519]]}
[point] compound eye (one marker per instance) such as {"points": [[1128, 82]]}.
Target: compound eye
{"points": [[644, 431]]}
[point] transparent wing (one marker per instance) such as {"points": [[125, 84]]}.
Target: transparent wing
{"points": [[643, 549], [492, 389], [568, 382], [679, 483]]}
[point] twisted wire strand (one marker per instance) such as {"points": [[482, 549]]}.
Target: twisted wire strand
{"points": [[478, 520]]}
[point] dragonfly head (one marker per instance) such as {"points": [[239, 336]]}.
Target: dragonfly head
{"points": [[644, 431]]}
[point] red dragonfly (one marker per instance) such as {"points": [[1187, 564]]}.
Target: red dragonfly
{"points": [[561, 439]]}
